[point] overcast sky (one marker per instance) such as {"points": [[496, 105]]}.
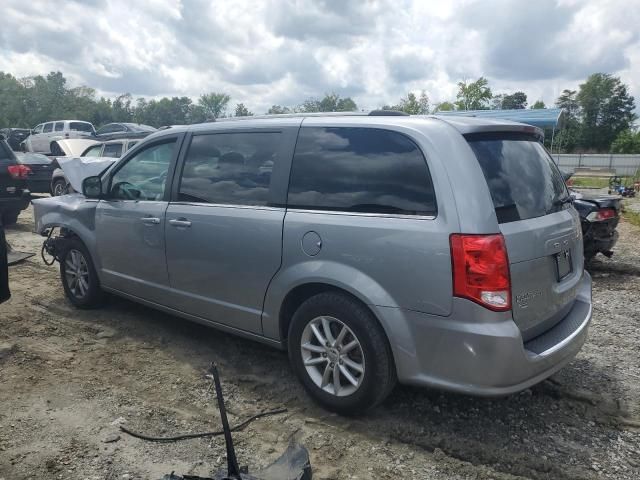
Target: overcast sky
{"points": [[283, 51]]}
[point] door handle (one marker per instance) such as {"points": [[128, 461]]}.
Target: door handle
{"points": [[150, 220], [180, 223]]}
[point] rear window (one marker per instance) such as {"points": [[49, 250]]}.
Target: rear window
{"points": [[523, 179], [81, 127], [113, 150], [363, 170]]}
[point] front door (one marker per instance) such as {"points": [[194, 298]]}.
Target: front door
{"points": [[224, 229], [130, 223]]}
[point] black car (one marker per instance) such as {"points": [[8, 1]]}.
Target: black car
{"points": [[599, 217], [39, 170], [112, 131], [14, 136], [14, 195]]}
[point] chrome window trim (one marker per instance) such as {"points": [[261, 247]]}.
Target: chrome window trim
{"points": [[228, 205], [363, 214]]}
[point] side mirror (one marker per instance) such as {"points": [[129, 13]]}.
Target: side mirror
{"points": [[92, 187]]}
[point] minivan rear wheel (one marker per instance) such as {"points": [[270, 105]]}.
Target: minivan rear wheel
{"points": [[340, 353]]}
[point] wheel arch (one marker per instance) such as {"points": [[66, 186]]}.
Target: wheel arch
{"points": [[300, 293]]}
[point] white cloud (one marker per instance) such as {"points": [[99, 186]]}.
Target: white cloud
{"points": [[281, 52]]}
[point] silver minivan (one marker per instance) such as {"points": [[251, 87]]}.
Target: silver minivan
{"points": [[440, 252]]}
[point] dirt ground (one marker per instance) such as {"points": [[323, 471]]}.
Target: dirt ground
{"points": [[69, 378]]}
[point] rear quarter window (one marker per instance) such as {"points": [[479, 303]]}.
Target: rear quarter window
{"points": [[81, 127], [363, 170], [523, 180]]}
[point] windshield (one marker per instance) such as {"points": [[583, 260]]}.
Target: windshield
{"points": [[523, 179]]}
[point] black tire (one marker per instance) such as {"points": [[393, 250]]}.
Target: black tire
{"points": [[379, 375], [10, 217], [86, 296], [59, 187]]}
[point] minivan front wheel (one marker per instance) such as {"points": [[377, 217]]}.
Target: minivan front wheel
{"points": [[78, 275], [340, 353]]}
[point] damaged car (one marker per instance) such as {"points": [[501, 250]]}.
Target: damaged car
{"points": [[599, 218], [375, 248]]}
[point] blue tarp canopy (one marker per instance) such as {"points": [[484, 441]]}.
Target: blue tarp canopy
{"points": [[541, 118]]}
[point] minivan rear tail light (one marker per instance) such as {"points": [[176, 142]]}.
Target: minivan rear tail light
{"points": [[18, 171], [602, 214], [481, 270]]}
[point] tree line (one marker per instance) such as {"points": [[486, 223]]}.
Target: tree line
{"points": [[599, 115]]}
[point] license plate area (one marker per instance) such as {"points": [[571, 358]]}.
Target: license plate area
{"points": [[563, 264]]}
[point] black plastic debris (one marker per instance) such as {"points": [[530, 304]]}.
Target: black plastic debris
{"points": [[293, 464]]}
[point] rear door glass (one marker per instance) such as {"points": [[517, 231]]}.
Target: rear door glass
{"points": [[364, 170], [523, 179], [59, 126]]}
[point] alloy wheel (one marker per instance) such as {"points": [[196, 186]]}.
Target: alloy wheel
{"points": [[77, 273], [332, 356]]}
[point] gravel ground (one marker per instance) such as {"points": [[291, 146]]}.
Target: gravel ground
{"points": [[69, 378]]}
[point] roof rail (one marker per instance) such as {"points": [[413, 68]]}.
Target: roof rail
{"points": [[387, 113], [291, 115]]}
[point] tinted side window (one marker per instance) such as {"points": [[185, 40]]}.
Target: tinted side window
{"points": [[59, 126], [38, 129], [229, 168], [113, 150], [144, 176], [360, 170], [81, 127], [110, 128], [47, 127]]}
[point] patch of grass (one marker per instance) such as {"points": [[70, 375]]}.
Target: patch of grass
{"points": [[593, 182], [631, 217]]}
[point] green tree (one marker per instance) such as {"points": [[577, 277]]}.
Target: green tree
{"points": [[517, 101], [412, 104], [473, 96], [445, 107], [332, 102], [242, 111], [496, 101], [606, 110], [214, 104], [568, 137], [538, 105], [278, 110], [627, 141]]}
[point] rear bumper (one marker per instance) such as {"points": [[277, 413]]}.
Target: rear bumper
{"points": [[595, 242], [39, 186], [16, 203], [480, 353]]}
